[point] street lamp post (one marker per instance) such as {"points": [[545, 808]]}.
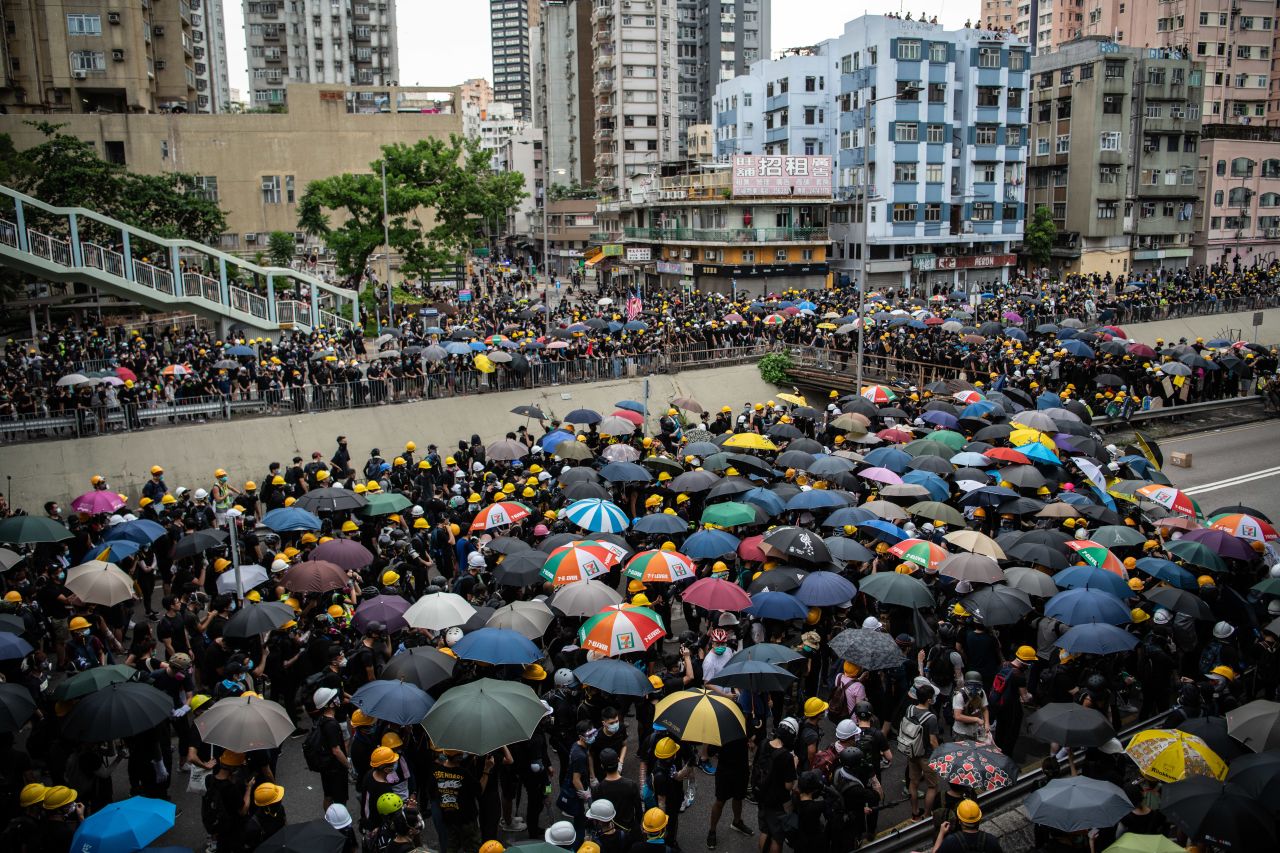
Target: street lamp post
{"points": [[386, 239], [908, 91]]}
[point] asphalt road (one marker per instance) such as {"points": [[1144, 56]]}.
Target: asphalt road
{"points": [[1231, 465]]}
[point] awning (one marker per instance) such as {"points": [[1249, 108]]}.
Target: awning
{"points": [[594, 256]]}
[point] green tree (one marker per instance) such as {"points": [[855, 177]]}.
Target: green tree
{"points": [[1040, 236], [66, 171], [439, 194], [280, 248]]}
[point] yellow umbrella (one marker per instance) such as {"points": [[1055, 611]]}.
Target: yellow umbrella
{"points": [[1020, 437], [484, 364], [701, 716], [797, 399], [826, 325], [1170, 755], [750, 441]]}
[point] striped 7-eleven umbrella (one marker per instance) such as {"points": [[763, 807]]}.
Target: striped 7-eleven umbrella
{"points": [[620, 629], [597, 515], [921, 552], [1098, 556], [968, 397], [499, 514], [1245, 526], [878, 394], [1170, 498], [661, 567], [575, 562]]}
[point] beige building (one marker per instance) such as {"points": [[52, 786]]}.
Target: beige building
{"points": [[1044, 24], [85, 56], [258, 165]]}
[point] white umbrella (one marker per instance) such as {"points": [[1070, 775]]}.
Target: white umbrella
{"points": [[245, 724], [604, 301], [250, 576], [438, 611], [584, 598], [72, 379], [99, 582], [529, 618]]}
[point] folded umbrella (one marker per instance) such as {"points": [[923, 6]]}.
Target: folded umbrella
{"points": [[399, 702], [245, 724]]}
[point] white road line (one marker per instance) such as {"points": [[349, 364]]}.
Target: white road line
{"points": [[1233, 481], [1214, 432]]}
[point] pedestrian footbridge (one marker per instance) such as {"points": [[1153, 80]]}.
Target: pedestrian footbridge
{"points": [[71, 245]]}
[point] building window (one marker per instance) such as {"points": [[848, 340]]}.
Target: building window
{"points": [[935, 133], [984, 211], [904, 172], [1112, 104], [908, 49], [933, 212], [904, 213], [1042, 146], [84, 25], [271, 189], [806, 254], [906, 131], [1109, 140], [985, 134], [1059, 210], [1086, 71], [205, 187], [1115, 70], [985, 172], [289, 197], [933, 173], [938, 51], [937, 93], [1064, 108], [1147, 210], [710, 255], [988, 57], [1063, 145], [1242, 167], [748, 256], [1109, 174], [908, 90], [1017, 60], [780, 255], [988, 96], [1106, 210], [1013, 100], [88, 60]]}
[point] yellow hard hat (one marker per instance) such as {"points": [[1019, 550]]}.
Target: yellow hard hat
{"points": [[13, 595], [492, 847], [32, 794], [668, 546], [335, 611], [653, 500], [813, 706], [719, 568], [59, 796], [383, 756], [655, 819], [308, 539], [1026, 654], [409, 447], [349, 526], [389, 577], [958, 609], [1138, 615], [250, 485], [399, 460], [359, 488], [220, 472], [812, 617], [360, 719], [635, 586], [665, 749], [168, 500], [267, 794], [968, 812], [277, 480], [1225, 671], [254, 595], [640, 600], [420, 524], [534, 672]]}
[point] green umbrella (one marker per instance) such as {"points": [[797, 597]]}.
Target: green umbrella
{"points": [[1117, 536], [928, 447], [385, 504], [1132, 842], [728, 514], [893, 588], [483, 716], [22, 529], [93, 680], [937, 510], [1196, 553], [949, 437]]}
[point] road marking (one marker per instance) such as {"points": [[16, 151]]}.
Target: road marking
{"points": [[1233, 481], [1213, 432]]}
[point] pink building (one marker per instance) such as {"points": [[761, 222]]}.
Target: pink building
{"points": [[1240, 206], [1044, 24]]}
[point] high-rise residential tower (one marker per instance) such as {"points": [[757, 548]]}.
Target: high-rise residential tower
{"points": [[511, 26]]}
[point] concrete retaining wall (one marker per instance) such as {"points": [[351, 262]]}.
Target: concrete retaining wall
{"points": [[60, 470]]}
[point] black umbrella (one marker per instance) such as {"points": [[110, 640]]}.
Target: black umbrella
{"points": [[199, 542], [798, 544], [693, 482], [1179, 601], [422, 665], [769, 653], [784, 579], [1259, 775], [117, 711], [257, 617], [1069, 724], [1020, 506], [583, 490], [555, 540], [728, 487], [522, 568], [756, 676], [868, 649], [330, 500], [997, 605], [16, 707], [1213, 731], [578, 475], [806, 445], [314, 836], [1100, 514], [1221, 813], [507, 545], [795, 459]]}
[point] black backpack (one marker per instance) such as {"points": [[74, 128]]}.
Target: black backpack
{"points": [[938, 668], [761, 767], [313, 751]]}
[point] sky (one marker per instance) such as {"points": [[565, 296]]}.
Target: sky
{"points": [[444, 49]]}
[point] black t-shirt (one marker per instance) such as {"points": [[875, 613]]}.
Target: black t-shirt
{"points": [[458, 789], [782, 770], [358, 665], [625, 796], [171, 628], [809, 734], [330, 736], [959, 841], [47, 596]]}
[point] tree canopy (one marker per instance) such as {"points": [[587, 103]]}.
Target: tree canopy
{"points": [[1040, 235], [448, 184], [280, 248], [67, 171]]}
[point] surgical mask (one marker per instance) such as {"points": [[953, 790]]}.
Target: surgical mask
{"points": [[342, 661], [721, 649], [612, 728], [86, 632], [590, 737]]}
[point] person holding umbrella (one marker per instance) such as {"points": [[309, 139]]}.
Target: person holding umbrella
{"points": [[970, 838], [63, 814]]}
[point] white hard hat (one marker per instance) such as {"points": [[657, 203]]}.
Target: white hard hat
{"points": [[871, 623], [337, 816], [1162, 616], [279, 566], [453, 635], [323, 696], [846, 729], [561, 834], [475, 560], [416, 512], [1223, 630], [201, 494], [477, 467], [601, 810]]}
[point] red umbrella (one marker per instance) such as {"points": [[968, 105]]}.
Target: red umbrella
{"points": [[749, 549], [900, 436], [1006, 454], [1141, 351], [716, 594], [126, 374], [314, 576], [635, 417]]}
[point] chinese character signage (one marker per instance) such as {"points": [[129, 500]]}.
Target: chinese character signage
{"points": [[781, 175], [638, 253]]}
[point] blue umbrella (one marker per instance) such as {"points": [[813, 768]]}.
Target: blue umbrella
{"points": [[1037, 452], [988, 496], [394, 701], [777, 605], [631, 406], [625, 472], [938, 418], [1048, 401], [13, 647], [1077, 348], [614, 326], [825, 589], [1075, 499], [889, 457], [636, 326], [1078, 606], [1066, 334], [142, 530], [938, 488], [660, 524], [125, 826], [615, 677], [979, 409], [1015, 333], [707, 545], [885, 530], [433, 330], [765, 499], [583, 417], [239, 351], [476, 346], [807, 306], [854, 515], [969, 458], [1169, 572], [287, 519], [456, 348], [1089, 577], [1096, 638], [497, 646], [551, 440], [111, 552], [815, 499], [596, 515]]}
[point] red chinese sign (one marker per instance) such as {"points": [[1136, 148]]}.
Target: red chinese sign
{"points": [[781, 174]]}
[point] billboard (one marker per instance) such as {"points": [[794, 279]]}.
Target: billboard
{"points": [[781, 175]]}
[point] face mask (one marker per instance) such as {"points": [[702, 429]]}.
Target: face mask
{"points": [[612, 728], [721, 649], [86, 632], [590, 737], [342, 662], [62, 576]]}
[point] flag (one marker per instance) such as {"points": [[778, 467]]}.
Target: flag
{"points": [[634, 306]]}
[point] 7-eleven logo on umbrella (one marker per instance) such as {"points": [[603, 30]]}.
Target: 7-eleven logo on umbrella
{"points": [[626, 642]]}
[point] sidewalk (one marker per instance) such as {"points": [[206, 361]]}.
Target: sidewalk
{"points": [[1233, 326]]}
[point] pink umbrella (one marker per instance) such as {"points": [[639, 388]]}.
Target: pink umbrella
{"points": [[127, 374], [749, 549], [97, 501], [880, 475], [733, 318], [635, 417], [1141, 351], [717, 594], [1012, 317]]}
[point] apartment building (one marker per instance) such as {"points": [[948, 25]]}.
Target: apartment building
{"points": [[100, 56], [477, 94], [718, 40], [564, 106], [635, 87], [1115, 135], [1046, 25], [798, 93], [512, 24], [336, 42]]}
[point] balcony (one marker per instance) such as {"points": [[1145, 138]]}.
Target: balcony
{"points": [[728, 235], [184, 11]]}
